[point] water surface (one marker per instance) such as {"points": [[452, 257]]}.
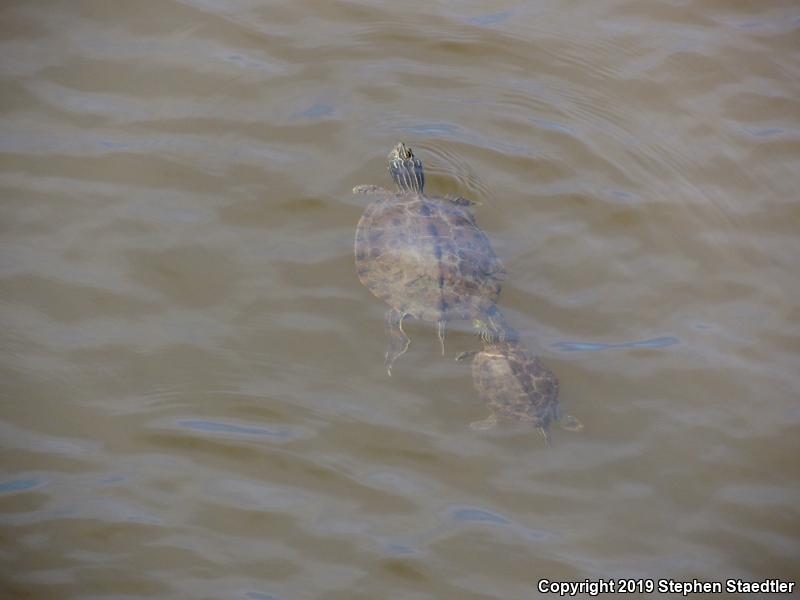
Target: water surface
{"points": [[193, 402]]}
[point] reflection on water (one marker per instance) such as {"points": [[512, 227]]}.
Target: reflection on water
{"points": [[193, 398]]}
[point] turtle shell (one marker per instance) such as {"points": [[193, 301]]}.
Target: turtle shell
{"points": [[426, 257], [516, 385]]}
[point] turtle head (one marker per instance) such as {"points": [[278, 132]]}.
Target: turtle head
{"points": [[493, 336], [484, 331], [401, 152], [406, 169], [493, 330]]}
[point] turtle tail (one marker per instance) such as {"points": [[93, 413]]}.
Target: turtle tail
{"points": [[406, 169]]}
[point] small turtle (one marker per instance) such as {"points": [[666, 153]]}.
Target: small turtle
{"points": [[423, 255], [516, 386]]}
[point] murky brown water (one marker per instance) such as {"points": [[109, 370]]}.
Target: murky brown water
{"points": [[194, 403]]}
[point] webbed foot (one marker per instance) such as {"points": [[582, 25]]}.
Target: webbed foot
{"points": [[398, 340]]}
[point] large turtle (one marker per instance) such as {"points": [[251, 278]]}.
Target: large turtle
{"points": [[515, 384], [423, 255]]}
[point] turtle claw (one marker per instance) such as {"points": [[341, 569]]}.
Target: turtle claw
{"points": [[398, 340], [546, 435], [487, 423], [441, 334]]}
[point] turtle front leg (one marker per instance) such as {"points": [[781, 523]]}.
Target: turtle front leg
{"points": [[465, 355], [370, 189], [460, 200], [398, 340]]}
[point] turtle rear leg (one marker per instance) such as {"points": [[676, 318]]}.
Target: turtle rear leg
{"points": [[570, 423], [398, 340], [487, 423]]}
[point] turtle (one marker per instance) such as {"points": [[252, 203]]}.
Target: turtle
{"points": [[424, 256], [516, 385]]}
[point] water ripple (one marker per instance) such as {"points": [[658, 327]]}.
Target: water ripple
{"points": [[491, 18], [315, 111], [476, 515], [659, 342], [18, 485], [228, 427]]}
